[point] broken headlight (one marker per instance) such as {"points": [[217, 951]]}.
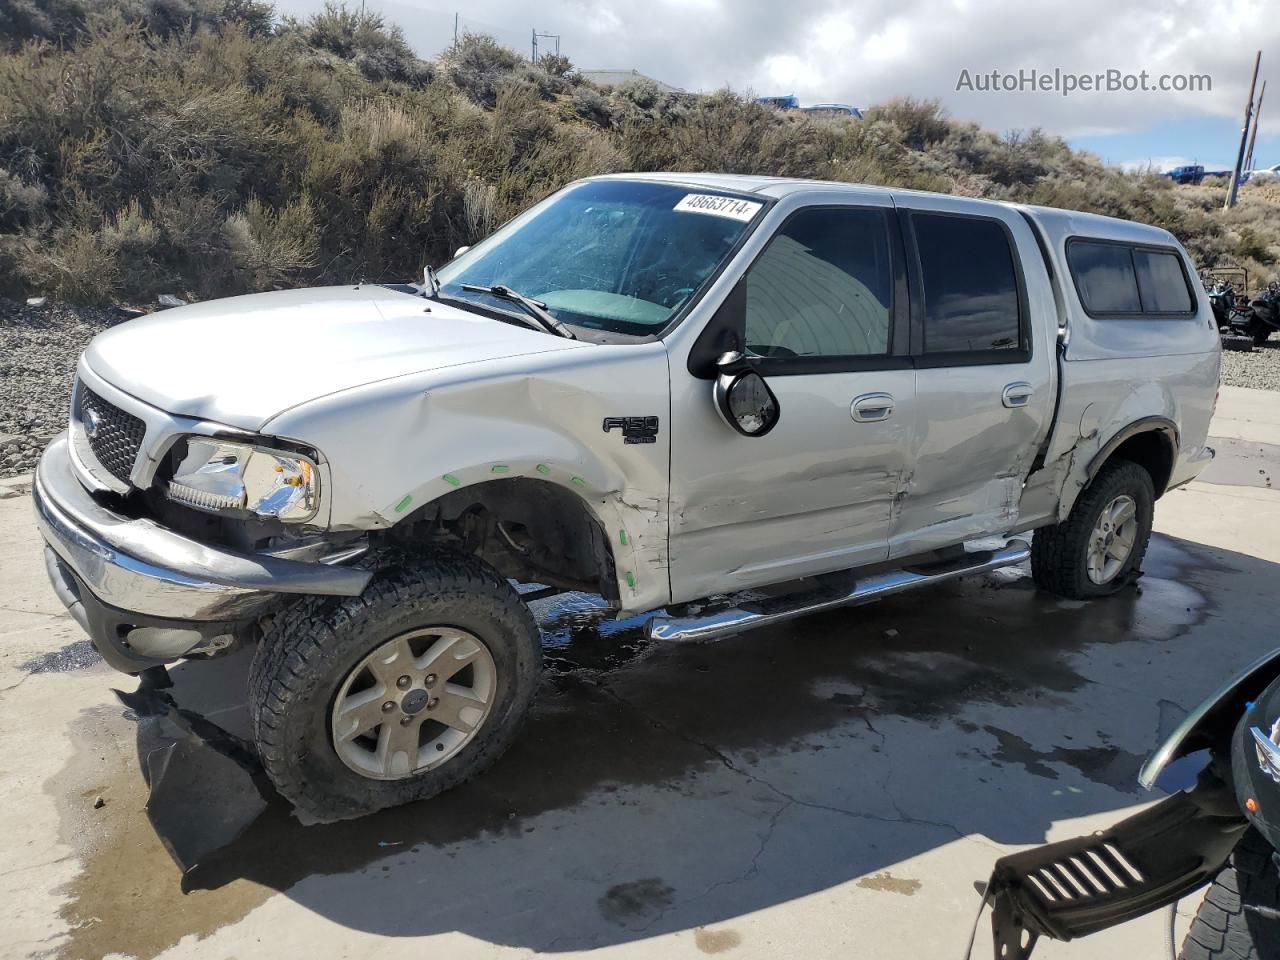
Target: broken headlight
{"points": [[222, 477]]}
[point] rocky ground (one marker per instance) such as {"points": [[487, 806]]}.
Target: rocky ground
{"points": [[1259, 369], [39, 347]]}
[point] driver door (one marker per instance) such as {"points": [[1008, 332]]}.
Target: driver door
{"points": [[821, 315]]}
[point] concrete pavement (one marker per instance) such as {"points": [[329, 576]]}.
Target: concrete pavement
{"points": [[832, 788]]}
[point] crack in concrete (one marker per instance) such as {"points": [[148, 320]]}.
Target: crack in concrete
{"points": [[751, 871]]}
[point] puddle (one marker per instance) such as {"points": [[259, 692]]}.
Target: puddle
{"points": [[1107, 765], [613, 711]]}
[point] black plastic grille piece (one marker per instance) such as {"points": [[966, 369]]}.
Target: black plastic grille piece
{"points": [[114, 436]]}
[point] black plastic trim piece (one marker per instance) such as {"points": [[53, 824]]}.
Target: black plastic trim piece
{"points": [[1062, 891]]}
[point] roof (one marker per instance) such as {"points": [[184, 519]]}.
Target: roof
{"points": [[1068, 222], [616, 78]]}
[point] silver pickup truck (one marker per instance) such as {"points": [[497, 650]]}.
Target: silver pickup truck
{"points": [[724, 400]]}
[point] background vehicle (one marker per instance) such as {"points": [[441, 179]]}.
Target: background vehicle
{"points": [[659, 388], [1263, 173], [1222, 831], [1186, 174]]}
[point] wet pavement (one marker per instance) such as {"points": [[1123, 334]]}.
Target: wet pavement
{"points": [[836, 786]]}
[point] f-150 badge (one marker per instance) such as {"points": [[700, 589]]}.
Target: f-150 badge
{"points": [[634, 429]]}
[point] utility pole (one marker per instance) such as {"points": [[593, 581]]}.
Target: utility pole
{"points": [[1244, 133], [455, 29], [1257, 122]]}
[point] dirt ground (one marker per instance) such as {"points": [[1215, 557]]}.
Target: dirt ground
{"points": [[836, 787]]}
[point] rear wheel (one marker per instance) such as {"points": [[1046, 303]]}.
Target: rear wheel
{"points": [[1099, 547], [1228, 925], [396, 695]]}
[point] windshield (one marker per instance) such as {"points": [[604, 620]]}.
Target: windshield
{"points": [[622, 256]]}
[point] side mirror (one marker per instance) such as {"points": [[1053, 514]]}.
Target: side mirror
{"points": [[460, 251], [743, 399]]}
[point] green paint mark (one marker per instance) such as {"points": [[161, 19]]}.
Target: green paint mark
{"points": [[450, 479], [631, 580], [622, 537], [579, 482], [404, 503], [500, 468], [544, 470]]}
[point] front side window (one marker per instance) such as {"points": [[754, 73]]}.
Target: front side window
{"points": [[622, 256], [970, 284], [822, 287]]}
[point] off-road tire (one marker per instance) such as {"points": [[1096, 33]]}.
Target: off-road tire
{"points": [[308, 650], [1223, 929], [1059, 552], [1239, 343], [1260, 331]]}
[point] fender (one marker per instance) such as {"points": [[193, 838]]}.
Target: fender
{"points": [[1161, 425], [1212, 722]]}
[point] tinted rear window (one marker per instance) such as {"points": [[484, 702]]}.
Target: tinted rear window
{"points": [[1114, 278], [1105, 277], [970, 284], [1161, 282]]}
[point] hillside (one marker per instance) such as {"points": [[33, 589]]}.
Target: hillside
{"points": [[206, 147]]}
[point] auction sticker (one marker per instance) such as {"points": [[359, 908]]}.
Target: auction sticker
{"points": [[730, 207]]}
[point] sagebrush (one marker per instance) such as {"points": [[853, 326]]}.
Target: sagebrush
{"points": [[207, 147]]}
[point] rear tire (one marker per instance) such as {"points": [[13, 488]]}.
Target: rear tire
{"points": [[311, 655], [1223, 929], [1061, 555]]}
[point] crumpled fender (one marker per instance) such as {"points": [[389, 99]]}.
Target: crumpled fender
{"points": [[396, 446]]}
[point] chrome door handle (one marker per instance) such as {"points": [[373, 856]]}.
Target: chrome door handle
{"points": [[871, 407], [1017, 394]]}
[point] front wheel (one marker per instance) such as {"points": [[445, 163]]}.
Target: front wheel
{"points": [[1099, 547], [396, 695], [1228, 925]]}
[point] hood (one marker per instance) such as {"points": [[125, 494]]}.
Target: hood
{"points": [[242, 360]]}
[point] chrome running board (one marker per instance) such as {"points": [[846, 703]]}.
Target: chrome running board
{"points": [[766, 612]]}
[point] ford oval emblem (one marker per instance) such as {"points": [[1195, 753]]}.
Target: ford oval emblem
{"points": [[92, 422]]}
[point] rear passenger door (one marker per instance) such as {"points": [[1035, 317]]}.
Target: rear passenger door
{"points": [[984, 371]]}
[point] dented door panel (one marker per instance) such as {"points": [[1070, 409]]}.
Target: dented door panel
{"points": [[813, 496], [971, 453]]}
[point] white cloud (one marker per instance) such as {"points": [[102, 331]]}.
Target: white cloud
{"points": [[831, 50]]}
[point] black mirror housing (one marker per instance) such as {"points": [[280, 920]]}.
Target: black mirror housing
{"points": [[743, 398]]}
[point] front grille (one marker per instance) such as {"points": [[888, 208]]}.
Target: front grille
{"points": [[114, 436]]}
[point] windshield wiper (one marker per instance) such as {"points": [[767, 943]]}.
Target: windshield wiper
{"points": [[536, 308]]}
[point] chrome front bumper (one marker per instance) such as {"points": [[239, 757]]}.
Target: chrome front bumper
{"points": [[146, 594]]}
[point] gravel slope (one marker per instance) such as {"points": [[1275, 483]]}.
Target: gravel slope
{"points": [[39, 347]]}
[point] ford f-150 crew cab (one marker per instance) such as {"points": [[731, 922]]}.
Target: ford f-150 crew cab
{"points": [[671, 390]]}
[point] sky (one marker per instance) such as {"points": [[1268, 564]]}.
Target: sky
{"points": [[867, 51]]}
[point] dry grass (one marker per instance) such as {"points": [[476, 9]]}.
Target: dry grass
{"points": [[202, 147]]}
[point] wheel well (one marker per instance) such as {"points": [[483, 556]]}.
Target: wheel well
{"points": [[1152, 450], [529, 530]]}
